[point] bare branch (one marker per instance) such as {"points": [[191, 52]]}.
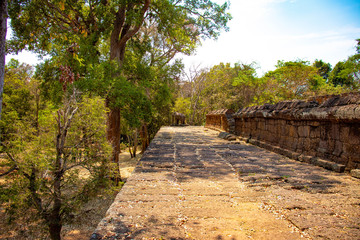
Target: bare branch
{"points": [[8, 154], [13, 168]]}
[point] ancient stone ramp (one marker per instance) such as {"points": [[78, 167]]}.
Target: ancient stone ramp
{"points": [[192, 185]]}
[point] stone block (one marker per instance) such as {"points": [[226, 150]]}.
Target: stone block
{"points": [[351, 149], [314, 123], [231, 137], [315, 132], [282, 142], [305, 158], [288, 142], [324, 132], [254, 142], [338, 148], [294, 144], [330, 145], [300, 145], [328, 165], [314, 144], [307, 144], [277, 129], [335, 131], [293, 131], [355, 173], [223, 135], [354, 134], [344, 134], [322, 146], [285, 130], [295, 155], [304, 131], [261, 124]]}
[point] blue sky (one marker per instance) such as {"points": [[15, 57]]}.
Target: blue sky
{"points": [[265, 31]]}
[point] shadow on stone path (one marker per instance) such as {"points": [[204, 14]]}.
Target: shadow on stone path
{"points": [[190, 184]]}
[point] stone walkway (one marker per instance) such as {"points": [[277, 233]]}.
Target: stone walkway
{"points": [[190, 184]]}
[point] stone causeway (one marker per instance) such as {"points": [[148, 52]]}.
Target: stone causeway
{"points": [[191, 184]]}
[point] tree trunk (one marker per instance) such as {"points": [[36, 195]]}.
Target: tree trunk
{"points": [[135, 142], [3, 28], [117, 52], [120, 35], [54, 222], [113, 137], [129, 145], [55, 231], [144, 138], [114, 131]]}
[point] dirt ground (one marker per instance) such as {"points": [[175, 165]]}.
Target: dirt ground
{"points": [[83, 223]]}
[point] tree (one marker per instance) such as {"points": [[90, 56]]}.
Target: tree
{"points": [[219, 92], [347, 73], [252, 89], [18, 105], [294, 78], [80, 28], [196, 79], [44, 166], [340, 75], [324, 69], [3, 28]]}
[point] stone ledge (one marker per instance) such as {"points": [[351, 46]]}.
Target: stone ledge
{"points": [[345, 107], [227, 136], [336, 167], [355, 173], [214, 128]]}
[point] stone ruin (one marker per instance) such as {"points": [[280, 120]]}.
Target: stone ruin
{"points": [[222, 120], [324, 130], [177, 118]]}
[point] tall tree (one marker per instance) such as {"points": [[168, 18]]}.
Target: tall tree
{"points": [[324, 69], [347, 73], [3, 28], [293, 78], [44, 166], [80, 27]]}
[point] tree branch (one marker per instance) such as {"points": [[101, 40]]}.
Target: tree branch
{"points": [[132, 32], [13, 168]]}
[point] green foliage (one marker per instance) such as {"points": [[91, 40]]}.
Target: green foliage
{"points": [[48, 75], [296, 79], [18, 101], [182, 105], [346, 74], [340, 76], [79, 36], [238, 86], [74, 133], [324, 69], [219, 92]]}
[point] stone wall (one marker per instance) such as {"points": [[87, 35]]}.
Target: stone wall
{"points": [[319, 129], [221, 120]]}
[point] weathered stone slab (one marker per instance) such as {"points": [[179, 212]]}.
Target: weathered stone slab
{"points": [[355, 173], [217, 190]]}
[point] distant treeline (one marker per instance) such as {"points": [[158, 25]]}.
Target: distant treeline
{"points": [[226, 86]]}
